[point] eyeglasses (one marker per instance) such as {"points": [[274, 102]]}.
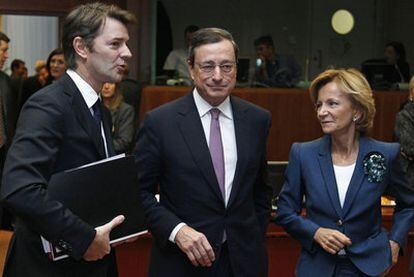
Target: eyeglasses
{"points": [[225, 67]]}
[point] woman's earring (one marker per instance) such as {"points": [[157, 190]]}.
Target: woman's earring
{"points": [[354, 119]]}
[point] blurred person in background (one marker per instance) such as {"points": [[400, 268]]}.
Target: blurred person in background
{"points": [[123, 127], [177, 59], [17, 69], [56, 65], [35, 82], [394, 54], [404, 132], [17, 78], [274, 69], [131, 91]]}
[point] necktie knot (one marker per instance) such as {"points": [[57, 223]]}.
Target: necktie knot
{"points": [[215, 113]]}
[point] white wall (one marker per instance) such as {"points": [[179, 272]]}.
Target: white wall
{"points": [[31, 38]]}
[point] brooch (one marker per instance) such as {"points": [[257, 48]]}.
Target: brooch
{"points": [[374, 167]]}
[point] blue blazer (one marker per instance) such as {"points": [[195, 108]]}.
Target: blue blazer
{"points": [[310, 174]]}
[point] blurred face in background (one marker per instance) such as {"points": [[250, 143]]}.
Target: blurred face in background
{"points": [[57, 66], [390, 55], [188, 37], [42, 75], [264, 51], [20, 71], [25, 73], [108, 90], [4, 52]]}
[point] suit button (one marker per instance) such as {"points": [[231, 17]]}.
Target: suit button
{"points": [[340, 222]]}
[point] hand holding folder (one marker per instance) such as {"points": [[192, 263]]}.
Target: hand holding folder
{"points": [[100, 245], [104, 194]]}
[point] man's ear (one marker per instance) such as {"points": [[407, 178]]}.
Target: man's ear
{"points": [[80, 47], [190, 67]]}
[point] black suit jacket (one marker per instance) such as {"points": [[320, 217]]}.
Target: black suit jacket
{"points": [[29, 87], [172, 151], [10, 106], [55, 132]]}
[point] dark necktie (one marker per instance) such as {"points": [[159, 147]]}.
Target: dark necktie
{"points": [[216, 149], [97, 113]]}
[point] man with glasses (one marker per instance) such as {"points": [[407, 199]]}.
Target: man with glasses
{"points": [[207, 153]]}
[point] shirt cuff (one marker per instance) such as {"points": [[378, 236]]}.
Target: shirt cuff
{"points": [[175, 231]]}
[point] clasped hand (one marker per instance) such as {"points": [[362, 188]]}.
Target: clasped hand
{"points": [[332, 241]]}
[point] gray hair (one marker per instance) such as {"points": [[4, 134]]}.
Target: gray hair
{"points": [[209, 36]]}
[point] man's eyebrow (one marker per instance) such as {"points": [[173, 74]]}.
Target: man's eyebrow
{"points": [[221, 62]]}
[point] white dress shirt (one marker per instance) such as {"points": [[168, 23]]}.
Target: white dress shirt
{"points": [[90, 96], [177, 60], [228, 138], [343, 175]]}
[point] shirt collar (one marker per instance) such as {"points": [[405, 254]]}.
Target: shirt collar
{"points": [[88, 93], [203, 107]]}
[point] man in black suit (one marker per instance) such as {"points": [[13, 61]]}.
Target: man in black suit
{"points": [[8, 117], [61, 127], [17, 78], [7, 108], [207, 153]]}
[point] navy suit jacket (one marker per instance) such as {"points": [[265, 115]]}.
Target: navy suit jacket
{"points": [[172, 152], [310, 174], [55, 132]]}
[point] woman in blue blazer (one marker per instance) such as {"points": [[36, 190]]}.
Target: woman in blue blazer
{"points": [[339, 180]]}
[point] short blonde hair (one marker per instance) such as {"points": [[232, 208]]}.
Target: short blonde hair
{"points": [[39, 65], [351, 82], [411, 84]]}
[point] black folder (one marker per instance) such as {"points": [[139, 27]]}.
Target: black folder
{"points": [[100, 191]]}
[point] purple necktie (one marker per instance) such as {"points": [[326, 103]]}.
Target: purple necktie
{"points": [[216, 149], [217, 155]]}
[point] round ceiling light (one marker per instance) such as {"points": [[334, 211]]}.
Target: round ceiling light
{"points": [[342, 22]]}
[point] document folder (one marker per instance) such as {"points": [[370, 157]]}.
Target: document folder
{"points": [[100, 191]]}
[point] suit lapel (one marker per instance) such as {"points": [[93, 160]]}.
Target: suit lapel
{"points": [[191, 128], [242, 133], [326, 165], [83, 114], [358, 175]]}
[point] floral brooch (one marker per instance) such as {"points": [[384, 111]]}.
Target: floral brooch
{"points": [[374, 166]]}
